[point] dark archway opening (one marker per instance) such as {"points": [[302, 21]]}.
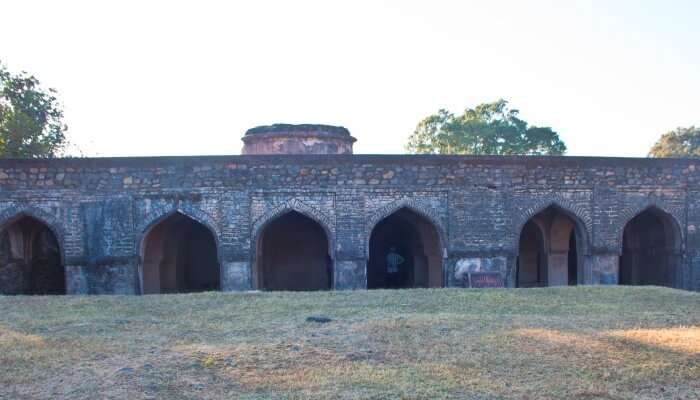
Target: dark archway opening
{"points": [[404, 252], [532, 266], [649, 250], [179, 256], [30, 259], [549, 250], [292, 254]]}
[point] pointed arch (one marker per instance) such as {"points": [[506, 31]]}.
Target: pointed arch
{"points": [[670, 217], [651, 249], [178, 253], [292, 249], [530, 266], [300, 207], [409, 233], [581, 218], [562, 258], [160, 214], [33, 253], [14, 213], [413, 205]]}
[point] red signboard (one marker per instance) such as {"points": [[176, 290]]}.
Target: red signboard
{"points": [[486, 280]]}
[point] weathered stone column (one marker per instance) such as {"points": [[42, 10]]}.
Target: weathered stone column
{"points": [[680, 275], [350, 274], [605, 268], [236, 268], [236, 276], [558, 268], [76, 279], [585, 270], [693, 260]]}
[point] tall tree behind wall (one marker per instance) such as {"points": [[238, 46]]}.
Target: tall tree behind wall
{"points": [[489, 128], [682, 142], [31, 118]]}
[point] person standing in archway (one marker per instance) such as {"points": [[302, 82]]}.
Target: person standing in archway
{"points": [[393, 261]]}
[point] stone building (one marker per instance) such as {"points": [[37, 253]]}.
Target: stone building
{"points": [[299, 211]]}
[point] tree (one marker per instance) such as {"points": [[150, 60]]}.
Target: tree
{"points": [[683, 142], [490, 128], [31, 119]]}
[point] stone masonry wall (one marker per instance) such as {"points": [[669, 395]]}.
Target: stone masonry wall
{"points": [[99, 209]]}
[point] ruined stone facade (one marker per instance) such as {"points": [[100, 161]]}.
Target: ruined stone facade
{"points": [[118, 222], [100, 209]]}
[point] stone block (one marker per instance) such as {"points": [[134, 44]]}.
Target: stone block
{"points": [[350, 274], [605, 268], [102, 279], [235, 276]]}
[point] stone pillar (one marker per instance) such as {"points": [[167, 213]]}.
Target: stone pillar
{"points": [[236, 276], [585, 269], [76, 279], [693, 261], [350, 274], [558, 268], [605, 269], [680, 274]]}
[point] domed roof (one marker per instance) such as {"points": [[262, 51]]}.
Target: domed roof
{"points": [[297, 139], [298, 129]]}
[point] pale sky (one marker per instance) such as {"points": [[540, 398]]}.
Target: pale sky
{"points": [[188, 78]]}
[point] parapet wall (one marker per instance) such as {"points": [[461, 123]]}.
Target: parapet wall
{"points": [[100, 209]]}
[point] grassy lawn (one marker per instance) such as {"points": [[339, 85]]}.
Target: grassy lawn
{"points": [[579, 343]]}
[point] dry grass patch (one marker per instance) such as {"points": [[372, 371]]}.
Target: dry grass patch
{"points": [[610, 363], [685, 340], [12, 339], [579, 343]]}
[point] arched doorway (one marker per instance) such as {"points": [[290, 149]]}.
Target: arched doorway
{"points": [[292, 254], [30, 259], [650, 250], [404, 252], [179, 256], [532, 265], [549, 250]]}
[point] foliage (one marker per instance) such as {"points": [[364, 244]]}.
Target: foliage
{"points": [[490, 128], [683, 142], [31, 118]]}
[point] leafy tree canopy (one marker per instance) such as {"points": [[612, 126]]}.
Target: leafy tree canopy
{"points": [[490, 128], [31, 119], [683, 142]]}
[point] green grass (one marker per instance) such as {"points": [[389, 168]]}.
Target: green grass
{"points": [[554, 343]]}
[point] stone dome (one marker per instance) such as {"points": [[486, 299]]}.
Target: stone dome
{"points": [[297, 139]]}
